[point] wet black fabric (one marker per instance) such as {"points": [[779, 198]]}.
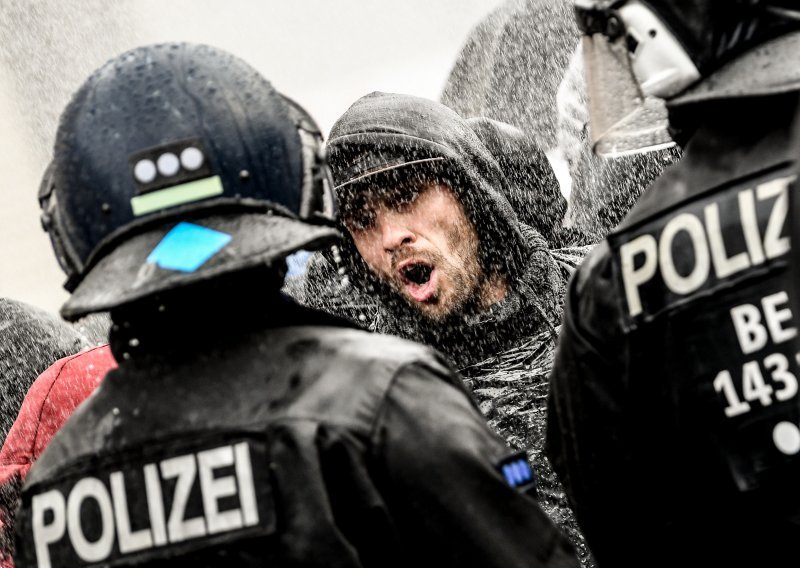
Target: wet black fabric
{"points": [[363, 450], [673, 411], [533, 189], [716, 31], [392, 129]]}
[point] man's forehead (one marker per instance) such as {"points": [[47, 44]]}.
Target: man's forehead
{"points": [[387, 188]]}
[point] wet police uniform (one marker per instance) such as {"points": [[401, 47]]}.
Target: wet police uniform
{"points": [[290, 442], [674, 418]]}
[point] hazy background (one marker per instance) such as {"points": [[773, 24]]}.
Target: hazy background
{"points": [[323, 53]]}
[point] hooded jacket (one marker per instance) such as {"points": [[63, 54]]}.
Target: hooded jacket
{"points": [[506, 351]]}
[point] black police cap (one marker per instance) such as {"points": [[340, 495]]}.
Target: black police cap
{"points": [[175, 163]]}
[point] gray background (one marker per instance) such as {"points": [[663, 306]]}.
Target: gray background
{"points": [[323, 53]]}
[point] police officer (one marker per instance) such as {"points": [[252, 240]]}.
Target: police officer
{"points": [[241, 429], [674, 420]]}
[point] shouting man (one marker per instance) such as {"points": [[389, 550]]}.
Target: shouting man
{"points": [[436, 251], [419, 240], [436, 246]]}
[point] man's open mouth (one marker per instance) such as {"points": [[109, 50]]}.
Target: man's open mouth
{"points": [[419, 279]]}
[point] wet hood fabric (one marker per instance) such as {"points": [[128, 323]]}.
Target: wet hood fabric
{"points": [[511, 64], [387, 130]]}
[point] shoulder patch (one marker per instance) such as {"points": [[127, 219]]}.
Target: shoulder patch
{"points": [[590, 263], [517, 471]]}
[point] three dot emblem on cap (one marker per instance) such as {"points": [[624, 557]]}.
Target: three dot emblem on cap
{"points": [[168, 164], [172, 174]]}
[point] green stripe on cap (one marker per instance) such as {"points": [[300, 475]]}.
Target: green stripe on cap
{"points": [[176, 195]]}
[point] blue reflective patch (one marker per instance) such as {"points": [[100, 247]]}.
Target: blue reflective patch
{"points": [[516, 470], [508, 473], [296, 263], [187, 247]]}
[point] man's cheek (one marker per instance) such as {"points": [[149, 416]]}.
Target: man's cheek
{"points": [[370, 255]]}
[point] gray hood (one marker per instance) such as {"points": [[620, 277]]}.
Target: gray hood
{"points": [[384, 134]]}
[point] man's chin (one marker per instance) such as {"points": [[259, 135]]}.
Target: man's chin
{"points": [[437, 307], [432, 315], [433, 310]]}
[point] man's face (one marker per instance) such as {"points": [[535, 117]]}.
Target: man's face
{"points": [[418, 239]]}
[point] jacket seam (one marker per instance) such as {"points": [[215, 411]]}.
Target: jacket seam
{"points": [[46, 398], [381, 408]]}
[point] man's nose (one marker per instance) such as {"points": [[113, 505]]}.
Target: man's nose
{"points": [[394, 234]]}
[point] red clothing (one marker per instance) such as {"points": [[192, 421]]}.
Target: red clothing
{"points": [[51, 400]]}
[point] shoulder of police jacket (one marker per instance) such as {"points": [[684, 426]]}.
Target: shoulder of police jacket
{"points": [[366, 346], [593, 269], [355, 361]]}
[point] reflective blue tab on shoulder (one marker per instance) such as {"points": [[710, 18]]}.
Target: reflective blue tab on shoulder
{"points": [[517, 471], [187, 247]]}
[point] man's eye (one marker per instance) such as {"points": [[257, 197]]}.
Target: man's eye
{"points": [[401, 199], [360, 220]]}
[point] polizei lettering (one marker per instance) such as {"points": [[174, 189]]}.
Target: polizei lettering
{"points": [[176, 501], [706, 243]]}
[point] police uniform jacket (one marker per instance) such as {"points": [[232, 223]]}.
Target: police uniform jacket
{"points": [[673, 415], [268, 444]]}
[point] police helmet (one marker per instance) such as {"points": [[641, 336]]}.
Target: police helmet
{"points": [[174, 164], [636, 49]]}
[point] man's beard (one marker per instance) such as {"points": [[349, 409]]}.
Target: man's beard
{"points": [[462, 295]]}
